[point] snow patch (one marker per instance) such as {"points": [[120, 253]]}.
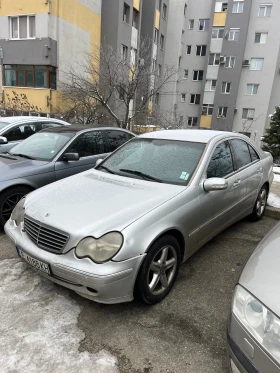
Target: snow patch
{"points": [[38, 330], [276, 178], [276, 170], [273, 200]]}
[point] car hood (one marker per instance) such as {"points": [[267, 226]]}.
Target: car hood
{"points": [[94, 202], [12, 167], [261, 275]]}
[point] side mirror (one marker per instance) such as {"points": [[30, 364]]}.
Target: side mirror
{"points": [[3, 140], [215, 183], [71, 157], [98, 162]]}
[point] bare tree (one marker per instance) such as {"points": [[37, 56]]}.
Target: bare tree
{"points": [[247, 124], [121, 86], [19, 104]]}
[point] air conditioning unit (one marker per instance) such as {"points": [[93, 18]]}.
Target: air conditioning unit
{"points": [[141, 62], [222, 59], [246, 63]]}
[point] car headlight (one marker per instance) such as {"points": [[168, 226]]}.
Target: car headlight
{"points": [[18, 212], [100, 250], [262, 324]]}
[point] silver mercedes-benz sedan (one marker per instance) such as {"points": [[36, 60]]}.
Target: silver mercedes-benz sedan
{"points": [[123, 229], [254, 324]]}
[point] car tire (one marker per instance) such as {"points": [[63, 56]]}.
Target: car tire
{"points": [[159, 270], [9, 199], [260, 205]]}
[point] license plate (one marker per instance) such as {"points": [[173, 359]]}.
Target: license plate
{"points": [[41, 266]]}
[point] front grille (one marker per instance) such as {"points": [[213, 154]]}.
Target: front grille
{"points": [[44, 236]]}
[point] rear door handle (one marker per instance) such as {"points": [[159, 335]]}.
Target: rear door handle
{"points": [[236, 183], [259, 170]]}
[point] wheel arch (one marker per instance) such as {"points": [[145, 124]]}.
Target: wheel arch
{"points": [[177, 234], [20, 185]]}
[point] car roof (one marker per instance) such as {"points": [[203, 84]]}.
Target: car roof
{"points": [[77, 128], [201, 136], [26, 118]]}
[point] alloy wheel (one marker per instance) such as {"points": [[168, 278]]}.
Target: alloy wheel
{"points": [[162, 270], [9, 204], [261, 202]]}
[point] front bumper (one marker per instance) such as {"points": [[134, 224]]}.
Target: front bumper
{"points": [[245, 354], [111, 282]]}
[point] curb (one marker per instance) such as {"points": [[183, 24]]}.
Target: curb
{"points": [[272, 212]]}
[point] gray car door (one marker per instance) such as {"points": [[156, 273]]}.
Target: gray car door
{"points": [[89, 146], [219, 208], [250, 171]]}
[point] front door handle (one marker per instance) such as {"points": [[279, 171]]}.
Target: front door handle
{"points": [[236, 183]]}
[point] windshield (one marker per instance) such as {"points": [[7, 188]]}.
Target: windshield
{"points": [[43, 145], [167, 161], [3, 125]]}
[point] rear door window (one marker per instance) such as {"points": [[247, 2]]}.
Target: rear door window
{"points": [[114, 139], [241, 153], [221, 163], [254, 154]]}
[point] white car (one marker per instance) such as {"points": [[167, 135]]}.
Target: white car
{"points": [[16, 129]]}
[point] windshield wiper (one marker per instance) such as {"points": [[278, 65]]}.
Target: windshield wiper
{"points": [[108, 170], [23, 156], [142, 174]]}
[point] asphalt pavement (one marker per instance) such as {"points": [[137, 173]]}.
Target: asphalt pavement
{"points": [[186, 333]]}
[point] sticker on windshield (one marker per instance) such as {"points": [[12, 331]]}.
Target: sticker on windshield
{"points": [[184, 176]]}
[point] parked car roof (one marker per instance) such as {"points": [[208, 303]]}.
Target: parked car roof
{"points": [[79, 128], [26, 118], [203, 136]]}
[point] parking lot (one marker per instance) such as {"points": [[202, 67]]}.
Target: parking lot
{"points": [[185, 333]]}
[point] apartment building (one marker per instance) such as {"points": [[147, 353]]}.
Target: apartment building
{"points": [[227, 53], [125, 23], [38, 41]]}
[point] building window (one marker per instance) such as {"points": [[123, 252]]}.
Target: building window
{"points": [[135, 18], [265, 10], [189, 49], [252, 89], [214, 59], [124, 52], [230, 62], [217, 32], [183, 97], [201, 50], [154, 65], [248, 114], [185, 10], [234, 34], [224, 7], [197, 75], [195, 99], [222, 112], [226, 87], [207, 109], [186, 74], [159, 70], [22, 27], [30, 76], [192, 121], [161, 43], [191, 24], [238, 7], [210, 85], [126, 13], [261, 37], [204, 24], [156, 34], [256, 63], [157, 99], [164, 11]]}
